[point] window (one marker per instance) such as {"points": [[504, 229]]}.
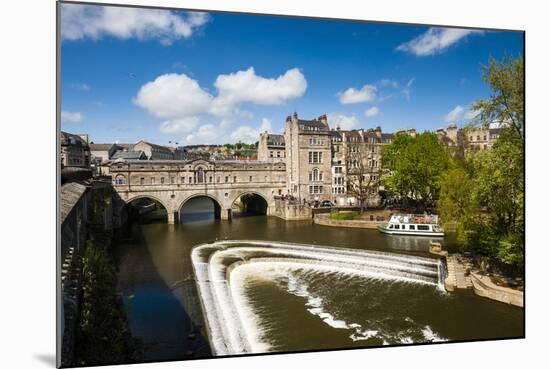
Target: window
{"points": [[152, 180], [172, 180], [338, 170], [234, 179], [278, 154], [182, 180], [423, 227], [411, 227], [142, 181], [271, 154], [315, 189], [161, 180], [199, 176], [315, 157], [190, 180], [226, 179], [218, 179], [250, 179], [210, 179], [120, 180], [315, 175]]}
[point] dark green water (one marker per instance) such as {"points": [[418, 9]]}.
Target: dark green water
{"points": [[294, 309]]}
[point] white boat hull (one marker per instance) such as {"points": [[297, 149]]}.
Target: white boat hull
{"points": [[410, 233]]}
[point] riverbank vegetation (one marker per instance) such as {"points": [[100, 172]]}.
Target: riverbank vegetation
{"points": [[103, 336], [345, 215], [481, 192]]}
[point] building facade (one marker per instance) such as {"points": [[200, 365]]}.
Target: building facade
{"points": [[75, 151]]}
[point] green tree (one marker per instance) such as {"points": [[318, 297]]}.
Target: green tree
{"points": [[485, 194], [506, 104], [415, 165], [103, 336]]}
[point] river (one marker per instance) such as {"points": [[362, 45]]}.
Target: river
{"points": [[292, 309]]}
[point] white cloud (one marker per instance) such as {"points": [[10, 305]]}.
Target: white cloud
{"points": [[372, 112], [367, 93], [454, 115], [471, 114], [407, 89], [460, 113], [93, 22], [345, 122], [250, 134], [84, 87], [72, 117], [179, 125], [173, 96], [435, 40], [246, 86]]}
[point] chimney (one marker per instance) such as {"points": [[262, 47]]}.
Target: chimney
{"points": [[323, 119]]}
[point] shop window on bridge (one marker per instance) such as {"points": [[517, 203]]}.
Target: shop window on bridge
{"points": [[152, 180], [172, 180], [199, 176], [161, 180], [142, 181], [210, 179], [234, 179], [120, 180]]}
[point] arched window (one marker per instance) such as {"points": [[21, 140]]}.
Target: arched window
{"points": [[199, 176], [315, 175], [120, 179]]}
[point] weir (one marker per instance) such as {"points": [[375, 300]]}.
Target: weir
{"points": [[230, 326]]}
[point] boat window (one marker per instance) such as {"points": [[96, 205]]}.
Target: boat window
{"points": [[391, 226], [423, 228], [411, 227], [402, 226]]}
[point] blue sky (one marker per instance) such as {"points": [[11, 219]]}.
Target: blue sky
{"points": [[129, 74]]}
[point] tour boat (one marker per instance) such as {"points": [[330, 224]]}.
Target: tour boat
{"points": [[413, 225]]}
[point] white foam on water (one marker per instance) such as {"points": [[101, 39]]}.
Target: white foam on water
{"points": [[232, 324], [431, 336]]}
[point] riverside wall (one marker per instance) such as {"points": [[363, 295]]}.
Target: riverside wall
{"points": [[323, 219], [290, 211]]}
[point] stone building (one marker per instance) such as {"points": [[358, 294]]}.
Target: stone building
{"points": [[103, 152], [75, 151], [470, 139], [308, 158], [271, 147], [319, 160], [154, 151]]}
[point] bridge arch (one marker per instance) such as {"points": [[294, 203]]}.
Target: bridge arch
{"points": [[131, 202], [215, 201], [258, 203]]}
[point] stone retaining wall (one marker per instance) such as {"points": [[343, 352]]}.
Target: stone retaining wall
{"points": [[287, 211], [483, 286], [323, 219]]}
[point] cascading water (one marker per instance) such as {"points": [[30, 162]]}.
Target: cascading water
{"points": [[222, 270]]}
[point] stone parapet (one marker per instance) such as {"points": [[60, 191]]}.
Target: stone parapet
{"points": [[323, 219]]}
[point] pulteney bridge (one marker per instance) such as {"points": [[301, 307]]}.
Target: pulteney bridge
{"points": [[173, 182]]}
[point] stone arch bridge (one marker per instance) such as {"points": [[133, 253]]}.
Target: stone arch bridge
{"points": [[173, 182]]}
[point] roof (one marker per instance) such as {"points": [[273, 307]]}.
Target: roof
{"points": [[101, 147], [69, 196], [66, 139], [128, 154], [275, 140], [312, 125], [495, 131], [158, 147]]}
